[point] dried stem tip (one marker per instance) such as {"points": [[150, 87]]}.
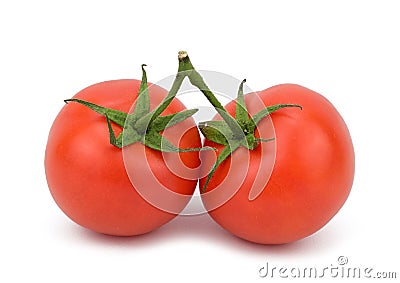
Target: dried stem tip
{"points": [[182, 54]]}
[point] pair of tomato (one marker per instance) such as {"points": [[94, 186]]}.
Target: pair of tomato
{"points": [[279, 192]]}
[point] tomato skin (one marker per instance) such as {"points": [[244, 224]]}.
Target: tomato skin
{"points": [[311, 177], [87, 176]]}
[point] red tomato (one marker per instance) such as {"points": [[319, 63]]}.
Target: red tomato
{"points": [[87, 176], [310, 164]]}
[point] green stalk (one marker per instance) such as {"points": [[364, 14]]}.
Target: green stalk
{"points": [[143, 125], [232, 132], [196, 79]]}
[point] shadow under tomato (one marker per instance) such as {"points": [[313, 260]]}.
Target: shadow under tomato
{"points": [[202, 228]]}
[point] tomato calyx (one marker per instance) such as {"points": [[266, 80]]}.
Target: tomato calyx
{"points": [[143, 125], [231, 132]]}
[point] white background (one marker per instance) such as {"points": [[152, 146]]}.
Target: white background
{"points": [[349, 51]]}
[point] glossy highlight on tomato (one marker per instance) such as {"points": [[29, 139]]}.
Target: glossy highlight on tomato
{"points": [[310, 179]]}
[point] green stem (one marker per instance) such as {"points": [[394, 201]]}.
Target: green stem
{"points": [[233, 132], [223, 155], [142, 125], [242, 115], [196, 80], [150, 117]]}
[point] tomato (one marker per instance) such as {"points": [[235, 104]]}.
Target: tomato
{"points": [[310, 166], [91, 180]]}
